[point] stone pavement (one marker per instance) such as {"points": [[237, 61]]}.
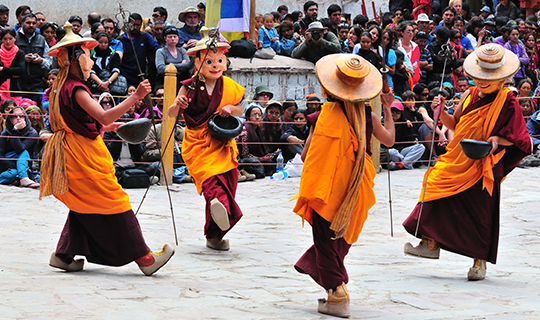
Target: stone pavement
{"points": [[256, 279]]}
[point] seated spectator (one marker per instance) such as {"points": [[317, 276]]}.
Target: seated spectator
{"points": [[17, 147], [271, 127], [106, 69], [317, 44], [295, 135], [96, 27], [154, 144], [462, 85], [465, 43], [406, 149], [532, 51], [421, 92], [5, 108], [12, 64], [526, 108], [410, 111], [37, 122], [262, 95], [157, 32], [442, 135], [507, 8], [455, 42], [115, 44], [267, 33], [286, 43], [189, 34], [504, 36], [313, 103], [159, 92], [518, 48], [172, 54], [457, 71], [524, 88], [474, 27], [288, 109], [533, 126], [251, 141], [410, 50]]}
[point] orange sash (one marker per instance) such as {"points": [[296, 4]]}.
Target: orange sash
{"points": [[454, 171], [205, 156], [325, 177]]}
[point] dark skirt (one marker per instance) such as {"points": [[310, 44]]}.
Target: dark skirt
{"points": [[324, 260], [221, 187], [112, 240], [466, 223]]}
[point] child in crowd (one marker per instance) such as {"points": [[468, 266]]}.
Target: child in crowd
{"points": [[286, 43], [259, 21], [426, 63], [410, 112], [401, 76], [457, 71], [295, 135], [267, 33], [526, 108], [50, 79], [364, 49]]}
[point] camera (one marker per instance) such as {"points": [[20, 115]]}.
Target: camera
{"points": [[34, 56], [315, 35]]}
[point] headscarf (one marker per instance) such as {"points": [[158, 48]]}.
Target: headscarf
{"points": [[41, 123]]}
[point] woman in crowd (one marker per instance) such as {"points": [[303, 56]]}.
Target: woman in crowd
{"points": [[37, 121], [288, 109], [353, 38], [251, 139], [295, 136], [172, 54], [17, 147], [11, 64], [5, 108], [376, 39], [532, 51], [272, 129], [518, 48], [455, 42], [106, 67], [95, 28], [474, 26], [389, 55], [410, 50], [48, 31]]}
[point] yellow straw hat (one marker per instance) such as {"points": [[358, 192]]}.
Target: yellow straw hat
{"points": [[71, 39], [202, 44], [348, 77], [491, 62]]}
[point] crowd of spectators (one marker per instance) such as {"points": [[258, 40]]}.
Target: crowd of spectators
{"points": [[407, 41]]}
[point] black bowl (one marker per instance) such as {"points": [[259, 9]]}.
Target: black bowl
{"points": [[135, 131], [475, 149], [225, 129]]}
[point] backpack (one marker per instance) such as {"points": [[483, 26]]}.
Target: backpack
{"points": [[242, 48]]}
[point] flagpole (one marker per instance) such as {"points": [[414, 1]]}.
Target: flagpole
{"points": [[252, 21]]}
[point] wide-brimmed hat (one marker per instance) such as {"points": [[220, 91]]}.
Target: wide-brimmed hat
{"points": [[491, 62], [485, 9], [263, 89], [204, 42], [316, 25], [348, 77], [423, 18], [182, 15], [71, 39]]}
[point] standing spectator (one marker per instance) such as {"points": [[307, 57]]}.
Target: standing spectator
{"points": [[20, 12], [318, 43], [353, 38], [172, 54], [485, 13], [115, 44], [35, 47], [76, 24], [189, 34], [518, 48], [17, 147], [457, 5], [11, 64], [388, 41], [448, 18], [106, 67], [157, 32], [365, 50], [343, 32], [455, 42], [48, 31], [311, 12], [410, 50], [425, 61], [261, 97], [466, 44], [334, 14], [532, 52], [443, 34], [145, 49], [402, 76], [423, 23], [160, 14], [4, 17], [508, 9], [92, 18], [474, 27]]}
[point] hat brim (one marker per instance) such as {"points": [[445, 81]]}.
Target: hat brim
{"points": [[199, 47], [88, 42], [508, 69], [368, 89], [311, 29], [182, 15]]}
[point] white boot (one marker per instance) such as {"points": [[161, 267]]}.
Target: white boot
{"points": [[337, 304]]}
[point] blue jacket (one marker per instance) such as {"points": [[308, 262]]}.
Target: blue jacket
{"points": [[184, 35], [145, 47], [533, 126]]}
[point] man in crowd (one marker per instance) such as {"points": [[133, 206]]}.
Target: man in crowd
{"points": [[145, 49], [508, 9], [4, 17], [448, 18], [189, 33], [334, 14], [76, 24], [35, 47], [91, 19], [160, 14], [311, 12], [19, 13], [317, 44]]}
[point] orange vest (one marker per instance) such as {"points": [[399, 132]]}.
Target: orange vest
{"points": [[327, 170], [205, 156]]}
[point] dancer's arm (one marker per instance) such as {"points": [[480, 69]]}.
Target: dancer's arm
{"points": [[106, 117]]}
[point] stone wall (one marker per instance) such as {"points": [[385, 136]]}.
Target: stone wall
{"points": [[287, 78]]}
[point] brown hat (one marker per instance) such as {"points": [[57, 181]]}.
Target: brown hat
{"points": [[491, 62], [71, 39], [182, 15], [348, 77]]}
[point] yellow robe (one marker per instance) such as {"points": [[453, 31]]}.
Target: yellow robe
{"points": [[205, 156]]}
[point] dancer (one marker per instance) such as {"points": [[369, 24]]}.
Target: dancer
{"points": [[212, 163], [336, 191], [78, 170], [461, 206]]}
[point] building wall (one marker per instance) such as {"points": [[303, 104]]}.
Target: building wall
{"points": [[60, 11]]}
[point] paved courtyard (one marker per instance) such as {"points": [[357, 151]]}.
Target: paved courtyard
{"points": [[256, 278]]}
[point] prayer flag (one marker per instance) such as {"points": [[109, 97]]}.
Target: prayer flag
{"points": [[230, 16]]}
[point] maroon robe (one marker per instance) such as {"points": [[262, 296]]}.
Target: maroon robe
{"points": [[468, 223]]}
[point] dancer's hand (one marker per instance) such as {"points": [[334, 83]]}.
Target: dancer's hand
{"points": [[438, 101], [143, 89], [225, 111], [494, 140], [387, 99]]}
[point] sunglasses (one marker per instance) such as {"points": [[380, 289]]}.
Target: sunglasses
{"points": [[155, 15], [17, 116]]}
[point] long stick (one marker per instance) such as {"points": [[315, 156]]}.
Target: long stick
{"points": [[390, 195]]}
